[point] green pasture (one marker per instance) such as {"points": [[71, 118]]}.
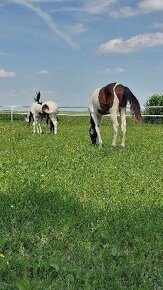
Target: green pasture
{"points": [[73, 216]]}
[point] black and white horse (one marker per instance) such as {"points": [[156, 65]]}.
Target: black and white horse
{"points": [[109, 100], [39, 110]]}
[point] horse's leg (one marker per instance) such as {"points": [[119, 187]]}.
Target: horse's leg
{"points": [[99, 117], [115, 127], [47, 122], [34, 124], [95, 126], [51, 127], [123, 125], [53, 119], [34, 127], [39, 125]]}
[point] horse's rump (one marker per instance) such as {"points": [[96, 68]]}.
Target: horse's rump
{"points": [[49, 107], [44, 108]]}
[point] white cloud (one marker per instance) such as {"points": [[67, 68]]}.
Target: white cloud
{"points": [[117, 70], [48, 19], [158, 25], [93, 7], [143, 6], [135, 43], [7, 74], [49, 1], [150, 5], [97, 6], [43, 71], [75, 29]]}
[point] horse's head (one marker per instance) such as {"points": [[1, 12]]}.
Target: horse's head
{"points": [[29, 118]]}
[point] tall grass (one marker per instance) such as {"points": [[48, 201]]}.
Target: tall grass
{"points": [[73, 216]]}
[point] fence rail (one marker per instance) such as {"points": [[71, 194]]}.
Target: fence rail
{"points": [[65, 111]]}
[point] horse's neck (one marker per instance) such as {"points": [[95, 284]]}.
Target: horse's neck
{"points": [[40, 103]]}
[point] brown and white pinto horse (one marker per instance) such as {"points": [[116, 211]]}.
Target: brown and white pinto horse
{"points": [[111, 99]]}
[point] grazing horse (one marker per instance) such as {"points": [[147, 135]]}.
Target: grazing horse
{"points": [[38, 110], [111, 99]]}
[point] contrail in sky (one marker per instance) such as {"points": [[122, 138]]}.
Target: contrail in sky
{"points": [[48, 20]]}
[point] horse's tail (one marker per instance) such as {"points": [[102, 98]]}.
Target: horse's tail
{"points": [[134, 103]]}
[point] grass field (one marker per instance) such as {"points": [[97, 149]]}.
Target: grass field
{"points": [[73, 216]]}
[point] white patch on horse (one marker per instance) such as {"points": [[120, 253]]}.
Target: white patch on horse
{"points": [[123, 125], [113, 114], [95, 105]]}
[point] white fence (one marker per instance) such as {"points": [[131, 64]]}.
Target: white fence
{"points": [[67, 111], [22, 110]]}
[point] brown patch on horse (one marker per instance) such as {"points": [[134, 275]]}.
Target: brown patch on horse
{"points": [[119, 90], [45, 107], [106, 98]]}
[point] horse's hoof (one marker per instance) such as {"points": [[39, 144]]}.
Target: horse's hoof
{"points": [[99, 145]]}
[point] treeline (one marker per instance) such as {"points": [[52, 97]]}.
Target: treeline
{"points": [[152, 109]]}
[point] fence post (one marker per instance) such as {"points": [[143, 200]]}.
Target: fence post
{"points": [[12, 114]]}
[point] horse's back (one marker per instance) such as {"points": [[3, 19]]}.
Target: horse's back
{"points": [[51, 107]]}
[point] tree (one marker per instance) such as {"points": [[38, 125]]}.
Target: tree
{"points": [[150, 109]]}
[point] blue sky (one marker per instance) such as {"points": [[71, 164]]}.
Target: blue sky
{"points": [[67, 48]]}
